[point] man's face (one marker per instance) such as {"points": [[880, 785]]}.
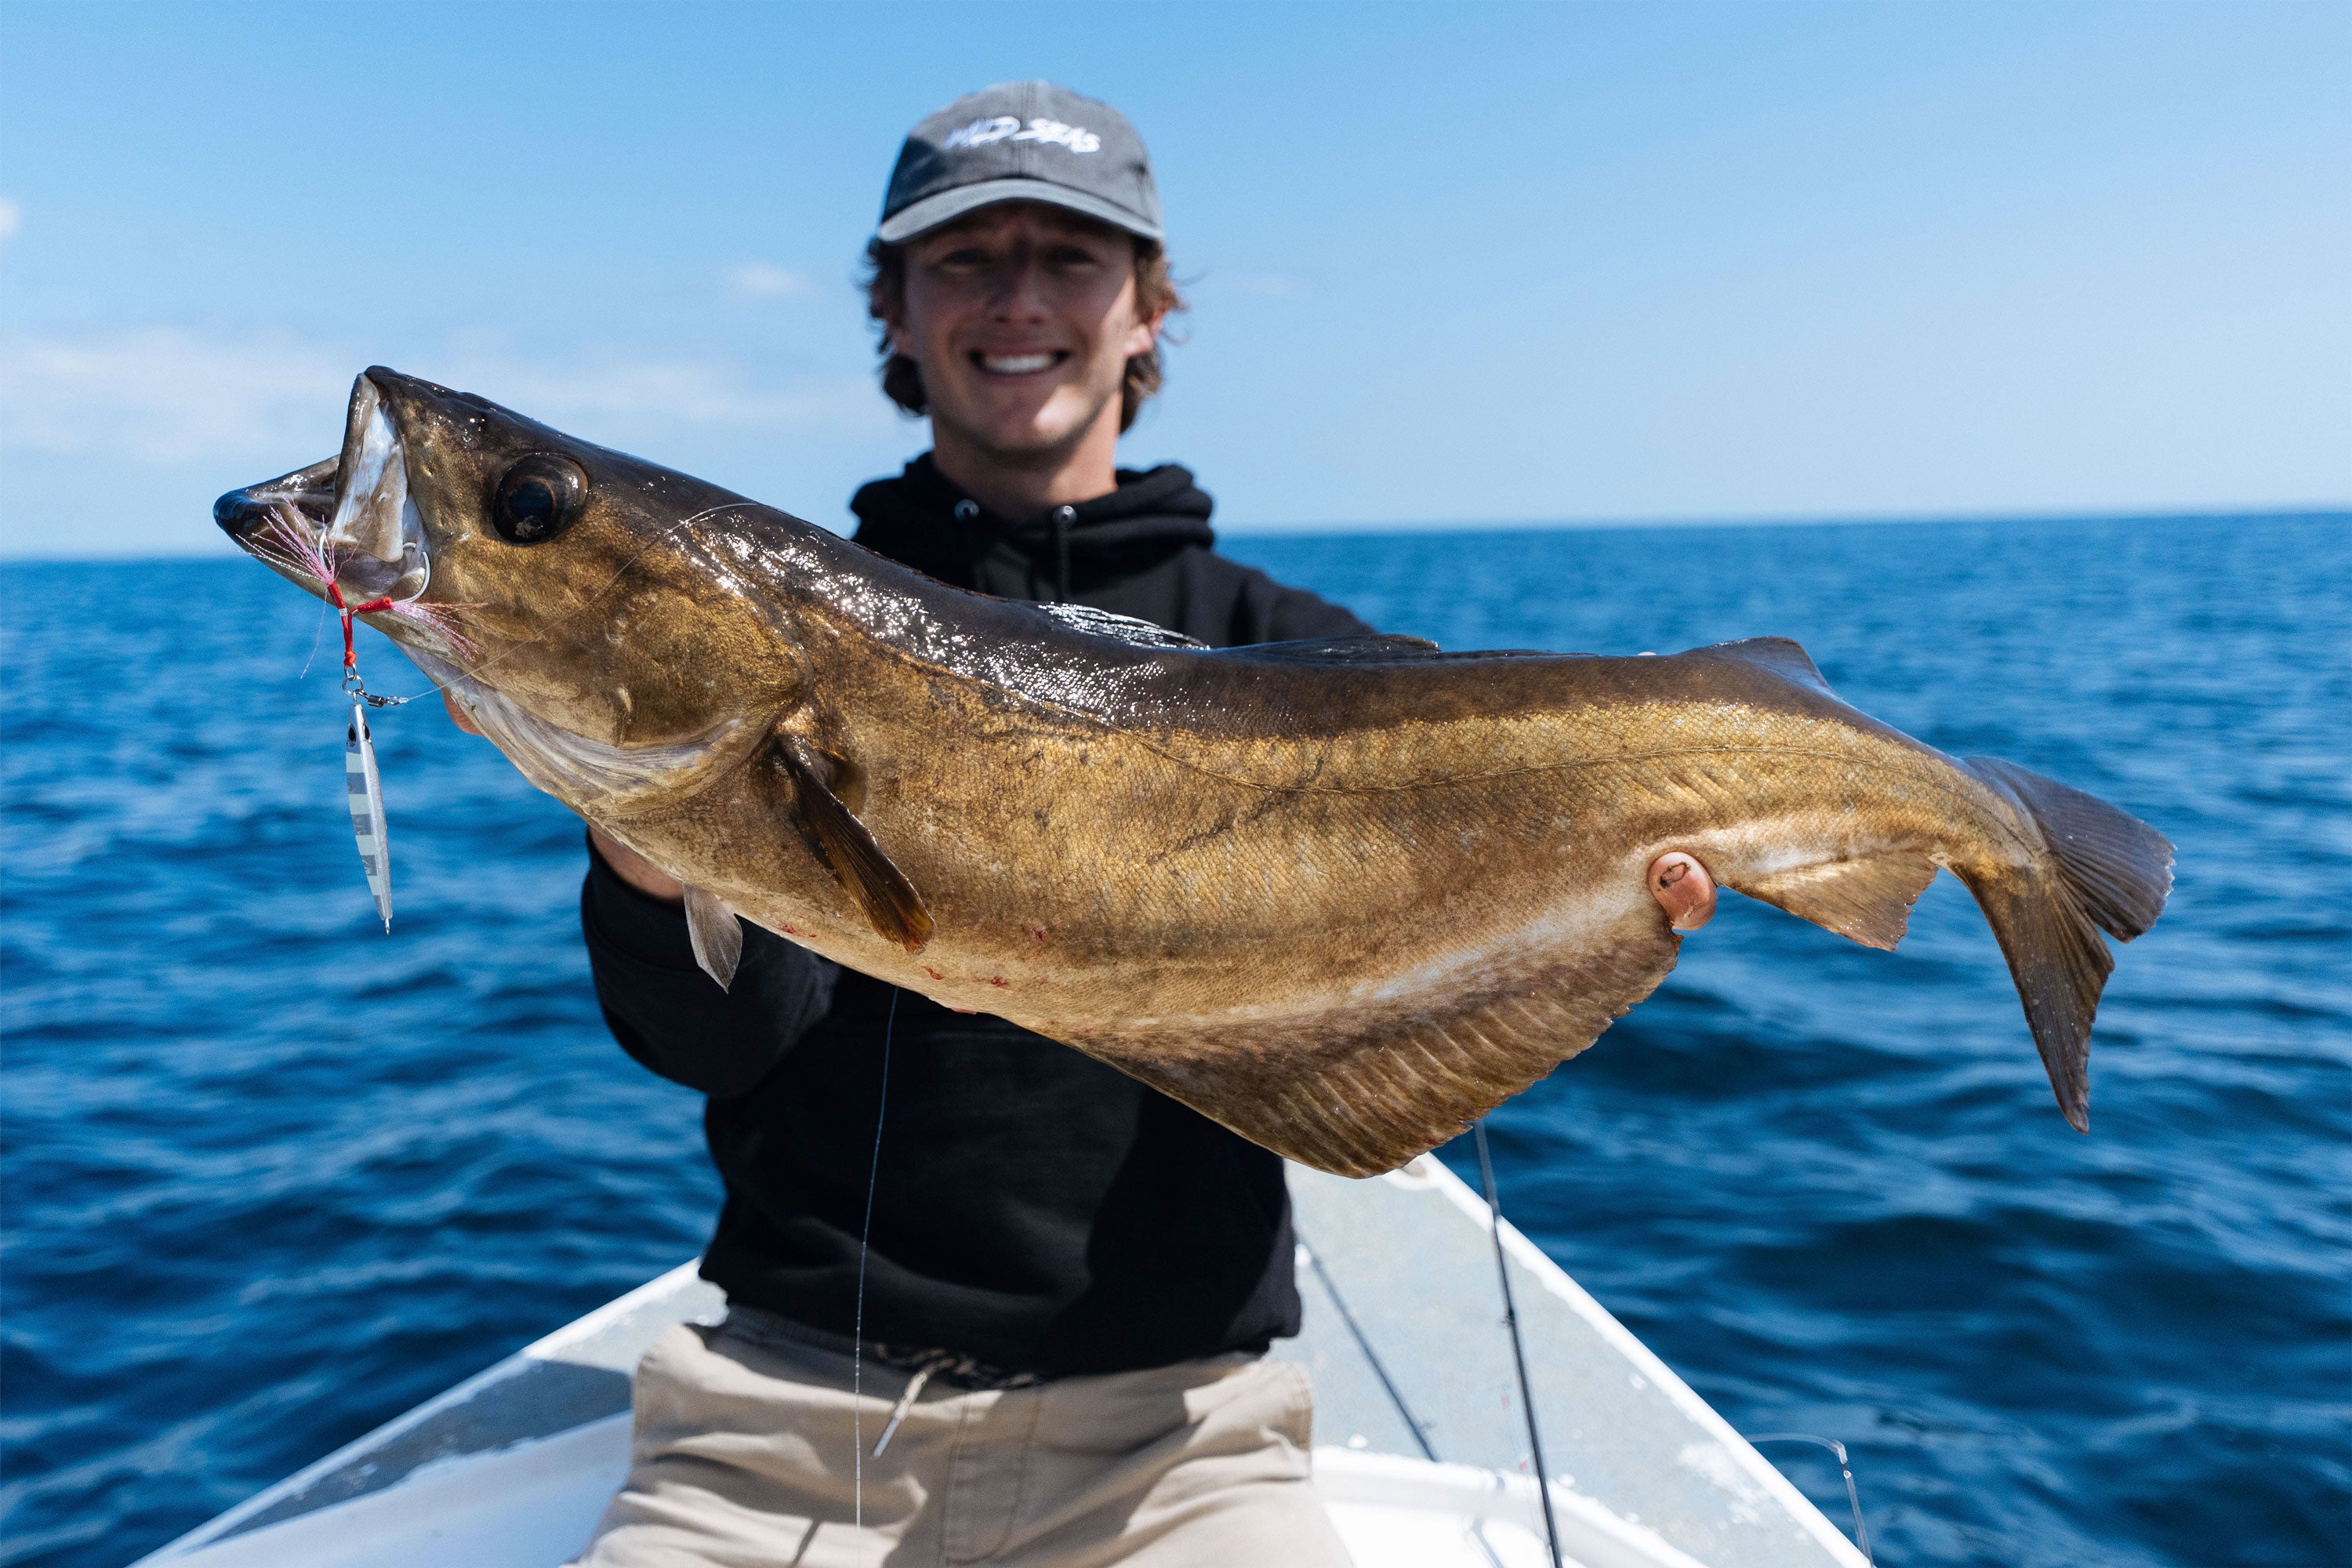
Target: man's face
{"points": [[1023, 317]]}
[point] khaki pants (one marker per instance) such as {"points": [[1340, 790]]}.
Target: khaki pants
{"points": [[743, 1446]]}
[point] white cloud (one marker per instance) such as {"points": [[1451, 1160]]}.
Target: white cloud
{"points": [[673, 391], [11, 214], [166, 393], [765, 280]]}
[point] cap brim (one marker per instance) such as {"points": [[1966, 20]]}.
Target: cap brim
{"points": [[923, 217]]}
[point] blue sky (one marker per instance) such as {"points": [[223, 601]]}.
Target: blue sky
{"points": [[1450, 263]]}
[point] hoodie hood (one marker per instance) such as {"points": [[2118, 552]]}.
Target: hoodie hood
{"points": [[922, 518]]}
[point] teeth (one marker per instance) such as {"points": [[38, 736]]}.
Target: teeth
{"points": [[1016, 365]]}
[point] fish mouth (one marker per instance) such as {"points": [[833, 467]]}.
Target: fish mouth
{"points": [[346, 528], [300, 504]]}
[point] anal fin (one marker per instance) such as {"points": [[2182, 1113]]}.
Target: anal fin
{"points": [[716, 933], [1359, 1095], [1867, 900], [879, 889]]}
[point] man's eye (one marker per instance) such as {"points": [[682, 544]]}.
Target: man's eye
{"points": [[969, 256], [1070, 256]]}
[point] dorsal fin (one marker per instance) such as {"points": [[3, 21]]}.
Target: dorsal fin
{"points": [[1780, 655], [1119, 628], [1375, 649], [1372, 648]]}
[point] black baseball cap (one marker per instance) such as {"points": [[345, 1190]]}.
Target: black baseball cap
{"points": [[1021, 141]]}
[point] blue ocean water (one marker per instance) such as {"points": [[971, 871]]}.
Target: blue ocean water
{"points": [[269, 1177]]}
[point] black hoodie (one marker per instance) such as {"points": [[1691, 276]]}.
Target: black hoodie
{"points": [[1144, 549], [1034, 1210]]}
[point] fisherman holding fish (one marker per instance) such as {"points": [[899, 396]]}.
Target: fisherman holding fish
{"points": [[1015, 936], [1069, 1280]]}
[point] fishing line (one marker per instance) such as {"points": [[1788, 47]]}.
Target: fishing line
{"points": [[1396, 1395], [1371, 1357], [317, 631], [858, 1319], [1518, 1348], [1853, 1497]]}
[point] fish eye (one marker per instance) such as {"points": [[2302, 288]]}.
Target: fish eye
{"points": [[538, 499]]}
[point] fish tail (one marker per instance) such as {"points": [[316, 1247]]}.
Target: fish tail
{"points": [[2103, 871]]}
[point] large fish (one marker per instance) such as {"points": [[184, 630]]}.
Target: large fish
{"points": [[1342, 896]]}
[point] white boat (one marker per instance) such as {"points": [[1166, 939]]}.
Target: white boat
{"points": [[1422, 1449]]}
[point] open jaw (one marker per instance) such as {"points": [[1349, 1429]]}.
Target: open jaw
{"points": [[377, 535], [350, 522], [348, 529], [280, 522]]}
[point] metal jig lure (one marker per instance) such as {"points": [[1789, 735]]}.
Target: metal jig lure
{"points": [[366, 792], [363, 785]]}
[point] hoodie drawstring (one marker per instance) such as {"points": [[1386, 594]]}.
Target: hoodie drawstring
{"points": [[967, 511], [1063, 517]]}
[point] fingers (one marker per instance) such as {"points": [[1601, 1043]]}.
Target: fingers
{"points": [[459, 716], [1683, 889]]}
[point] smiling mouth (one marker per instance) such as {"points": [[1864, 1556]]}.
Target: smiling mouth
{"points": [[1019, 365]]}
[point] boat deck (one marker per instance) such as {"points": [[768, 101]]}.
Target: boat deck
{"points": [[1421, 1446]]}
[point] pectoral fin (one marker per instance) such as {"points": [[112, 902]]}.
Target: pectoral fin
{"points": [[1868, 899], [717, 934], [879, 886]]}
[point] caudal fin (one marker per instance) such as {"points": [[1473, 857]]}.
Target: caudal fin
{"points": [[2106, 871]]}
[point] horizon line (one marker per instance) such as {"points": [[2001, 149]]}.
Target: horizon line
{"points": [[2317, 510], [1339, 530]]}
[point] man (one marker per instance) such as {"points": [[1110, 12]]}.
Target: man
{"points": [[990, 1301]]}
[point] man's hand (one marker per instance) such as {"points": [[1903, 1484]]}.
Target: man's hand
{"points": [[459, 716], [1683, 889], [637, 871]]}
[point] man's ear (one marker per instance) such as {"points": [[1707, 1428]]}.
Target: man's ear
{"points": [[1143, 334]]}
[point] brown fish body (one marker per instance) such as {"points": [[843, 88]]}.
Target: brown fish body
{"points": [[1290, 889], [1341, 896]]}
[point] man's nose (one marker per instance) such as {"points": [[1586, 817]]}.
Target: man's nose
{"points": [[1020, 289]]}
